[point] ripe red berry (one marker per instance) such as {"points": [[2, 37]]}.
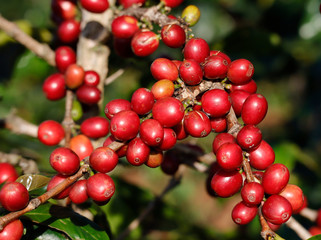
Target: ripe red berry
{"points": [[64, 56], [243, 214], [12, 231], [91, 78], [100, 187], [221, 54], [103, 159], [238, 98], [172, 3], [163, 88], [129, 3], [88, 94], [14, 196], [74, 76], [95, 127], [142, 101], [275, 178], [57, 179], [173, 35], [254, 109], [68, 31], [125, 125], [197, 124], [115, 106], [196, 49], [169, 139], [218, 124], [277, 209], [163, 68], [294, 195], [124, 26], [191, 72], [215, 67], [78, 192], [229, 156], [179, 129], [262, 157], [64, 9], [7, 173], [249, 137], [170, 162], [120, 152], [315, 230], [137, 152], [216, 102], [151, 132], [64, 161], [240, 71], [144, 43], [54, 87], [50, 132], [95, 6], [252, 193], [81, 145], [221, 139], [249, 87]]}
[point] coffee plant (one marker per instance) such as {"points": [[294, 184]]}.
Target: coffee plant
{"points": [[198, 115]]}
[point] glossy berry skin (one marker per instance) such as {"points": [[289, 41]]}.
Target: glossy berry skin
{"points": [[221, 54], [103, 159], [191, 72], [254, 109], [125, 125], [226, 184], [88, 94], [151, 132], [249, 87], [221, 139], [124, 26], [315, 230], [216, 102], [262, 157], [197, 124], [170, 162], [14, 196], [243, 214], [120, 152], [229, 156], [196, 49], [100, 187], [249, 137], [7, 173], [68, 31], [172, 3], [252, 193], [155, 159], [54, 87], [240, 71], [173, 35], [180, 131], [238, 98], [294, 195], [163, 88], [163, 68], [191, 14], [277, 209], [74, 76], [218, 124], [169, 139], [64, 56], [95, 127], [115, 106], [137, 152], [128, 3], [12, 231], [64, 9], [215, 67], [91, 78], [54, 182], [50, 132], [78, 192], [144, 43], [64, 161], [275, 178], [142, 101], [81, 145], [168, 111], [95, 6]]}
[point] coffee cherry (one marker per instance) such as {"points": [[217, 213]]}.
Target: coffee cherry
{"points": [[7, 173], [81, 145], [115, 106], [91, 78], [240, 71], [64, 161], [243, 214], [249, 137], [163, 68], [318, 220], [122, 47], [168, 111], [196, 49], [88, 94], [124, 26], [191, 72], [252, 193], [129, 3], [238, 98], [155, 159], [172, 3], [315, 230], [173, 35], [142, 101], [254, 109], [221, 54], [151, 132], [124, 125], [64, 56], [177, 63], [103, 159], [144, 43], [76, 110], [275, 178], [54, 87], [197, 124], [100, 187], [95, 127], [277, 209], [120, 152], [68, 31], [221, 139], [74, 76], [191, 14], [78, 192], [57, 179], [218, 124], [137, 152], [213, 168], [249, 87], [169, 139], [170, 162], [50, 132], [179, 130], [95, 6], [12, 231], [262, 157], [163, 88], [64, 9], [229, 156], [216, 102], [294, 195], [215, 67], [14, 196]]}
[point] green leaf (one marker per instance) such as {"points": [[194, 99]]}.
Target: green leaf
{"points": [[38, 232], [65, 220], [32, 182], [316, 237]]}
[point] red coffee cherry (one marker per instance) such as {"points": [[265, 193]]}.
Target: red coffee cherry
{"points": [[243, 214], [81, 145], [151, 132], [216, 102], [137, 152], [100, 187], [254, 109], [249, 137], [7, 173], [218, 124], [226, 184], [252, 193], [129, 3], [262, 157], [277, 209], [315, 230], [50, 132], [168, 111], [68, 31], [173, 35], [249, 87], [64, 161], [120, 152], [221, 54], [170, 162], [275, 178], [229, 156], [240, 71], [95, 127], [196, 49], [125, 125], [177, 63], [197, 124], [12, 231], [115, 106], [74, 76], [64, 56], [238, 98], [172, 3], [163, 68], [122, 47], [14, 196], [169, 139], [163, 88], [54, 87], [78, 192], [221, 139], [64, 9], [144, 43], [88, 94], [54, 182], [215, 67], [103, 159], [155, 158], [91, 78], [124, 26], [179, 130], [95, 6], [191, 72], [142, 101], [294, 195]]}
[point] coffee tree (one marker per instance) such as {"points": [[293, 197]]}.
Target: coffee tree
{"points": [[201, 93]]}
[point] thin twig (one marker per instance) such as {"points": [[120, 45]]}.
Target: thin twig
{"points": [[309, 213], [114, 76], [298, 228], [68, 122]]}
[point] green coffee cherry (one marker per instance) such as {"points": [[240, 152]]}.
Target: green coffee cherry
{"points": [[191, 14], [76, 111]]}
